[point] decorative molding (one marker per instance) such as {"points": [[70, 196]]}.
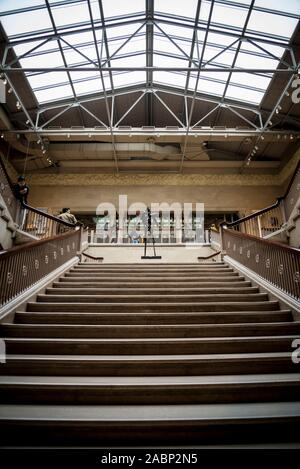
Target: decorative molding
{"points": [[153, 180]]}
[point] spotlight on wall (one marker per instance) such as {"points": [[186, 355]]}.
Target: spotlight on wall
{"points": [[262, 137], [256, 147], [27, 122], [291, 137], [2, 135], [9, 90], [39, 141], [287, 93], [18, 104], [270, 123], [44, 151]]}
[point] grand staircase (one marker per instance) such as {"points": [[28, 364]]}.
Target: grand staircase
{"points": [[150, 354]]}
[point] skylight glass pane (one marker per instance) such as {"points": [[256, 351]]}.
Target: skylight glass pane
{"points": [[243, 94], [172, 79], [251, 61], [247, 79], [179, 31], [136, 44], [73, 57], [90, 86], [53, 59], [53, 94], [177, 7], [163, 44], [268, 23], [8, 5], [26, 47], [26, 22], [207, 86], [123, 79], [229, 16], [289, 6], [121, 7], [275, 50], [46, 79], [84, 75], [126, 30], [70, 14], [165, 61]]}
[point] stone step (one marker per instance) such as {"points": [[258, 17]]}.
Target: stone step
{"points": [[183, 307], [153, 346], [149, 424], [149, 331], [175, 298], [148, 365], [149, 390], [154, 265], [69, 283], [151, 281], [152, 318], [79, 290], [146, 275], [145, 271]]}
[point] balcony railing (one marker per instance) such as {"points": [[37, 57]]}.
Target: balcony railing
{"points": [[275, 262]]}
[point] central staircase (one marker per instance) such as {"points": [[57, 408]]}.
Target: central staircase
{"points": [[145, 354]]}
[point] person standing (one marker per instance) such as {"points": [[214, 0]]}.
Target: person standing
{"points": [[21, 192]]}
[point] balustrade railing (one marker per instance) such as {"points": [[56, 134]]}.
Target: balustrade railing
{"points": [[23, 266], [277, 263]]}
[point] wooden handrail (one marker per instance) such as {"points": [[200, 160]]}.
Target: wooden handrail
{"points": [[266, 209], [238, 234], [27, 246], [253, 215], [90, 256], [210, 256]]}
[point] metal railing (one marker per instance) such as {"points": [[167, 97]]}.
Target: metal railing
{"points": [[23, 266], [270, 219], [275, 262]]}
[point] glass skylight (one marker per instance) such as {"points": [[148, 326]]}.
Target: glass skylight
{"points": [[169, 38]]}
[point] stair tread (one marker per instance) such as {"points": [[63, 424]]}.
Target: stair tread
{"points": [[150, 380], [147, 340], [147, 358], [293, 325], [191, 412]]}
